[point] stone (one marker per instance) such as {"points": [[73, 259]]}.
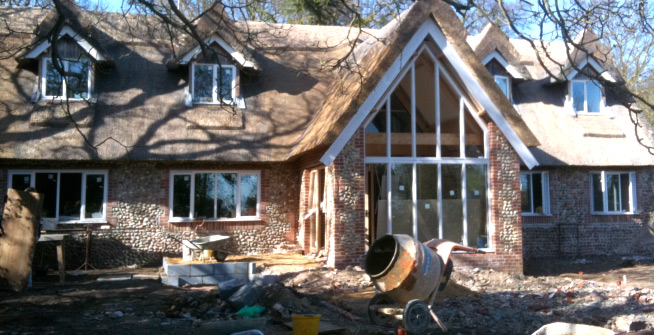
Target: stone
{"points": [[117, 315], [246, 295], [228, 287]]}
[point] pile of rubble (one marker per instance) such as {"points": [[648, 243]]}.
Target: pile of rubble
{"points": [[474, 302], [488, 301]]}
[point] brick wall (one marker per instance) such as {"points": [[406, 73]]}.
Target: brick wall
{"points": [[345, 188], [505, 227], [572, 231], [137, 215]]}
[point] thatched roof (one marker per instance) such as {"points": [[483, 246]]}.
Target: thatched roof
{"points": [[81, 23], [493, 39], [380, 51], [140, 105], [292, 105], [567, 139]]}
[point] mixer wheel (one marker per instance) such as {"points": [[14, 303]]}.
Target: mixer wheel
{"points": [[376, 308], [416, 316]]}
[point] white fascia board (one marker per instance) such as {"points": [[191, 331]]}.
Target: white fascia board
{"points": [[239, 57], [66, 30], [509, 68], [595, 65], [429, 28]]}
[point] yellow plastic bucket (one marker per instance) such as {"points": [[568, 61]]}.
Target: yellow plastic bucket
{"points": [[305, 324], [207, 254]]}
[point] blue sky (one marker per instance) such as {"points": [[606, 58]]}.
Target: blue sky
{"points": [[111, 5]]}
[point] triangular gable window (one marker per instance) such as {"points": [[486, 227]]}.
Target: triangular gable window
{"points": [[427, 149]]}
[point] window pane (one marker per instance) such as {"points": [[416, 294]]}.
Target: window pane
{"points": [[379, 203], [182, 196], [77, 86], [225, 86], [376, 135], [427, 183], [20, 181], [46, 184], [70, 196], [452, 203], [204, 195], [94, 196], [425, 107], [476, 205], [598, 196], [401, 141], [202, 83], [474, 136], [537, 180], [578, 96], [613, 189], [53, 80], [226, 195], [249, 190], [525, 192], [594, 97], [450, 130], [503, 83], [401, 199], [624, 192]]}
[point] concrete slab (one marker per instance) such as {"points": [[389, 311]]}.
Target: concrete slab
{"points": [[202, 269], [213, 280], [179, 270], [190, 280], [224, 268], [115, 277], [171, 281], [241, 267], [144, 276]]}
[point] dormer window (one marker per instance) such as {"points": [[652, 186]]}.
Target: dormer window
{"points": [[76, 84], [504, 84], [213, 83], [586, 96]]}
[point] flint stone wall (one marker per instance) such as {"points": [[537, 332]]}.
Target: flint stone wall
{"points": [[137, 231], [572, 231]]}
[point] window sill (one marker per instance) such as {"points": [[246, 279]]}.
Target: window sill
{"points": [[47, 98], [482, 251], [98, 221], [182, 220], [613, 213], [535, 214]]}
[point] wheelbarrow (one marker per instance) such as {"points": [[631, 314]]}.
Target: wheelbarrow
{"points": [[408, 273], [217, 243]]}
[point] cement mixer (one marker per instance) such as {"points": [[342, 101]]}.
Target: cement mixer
{"points": [[410, 274]]}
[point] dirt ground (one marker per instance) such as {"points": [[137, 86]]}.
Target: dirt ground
{"points": [[475, 302]]}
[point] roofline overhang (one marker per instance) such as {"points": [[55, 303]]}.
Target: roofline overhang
{"points": [[590, 60], [509, 68], [93, 52], [429, 29], [237, 56]]}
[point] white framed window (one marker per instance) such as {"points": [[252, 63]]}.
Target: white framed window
{"points": [[213, 83], [426, 155], [504, 84], [534, 193], [215, 195], [76, 85], [69, 196], [586, 96], [613, 192]]}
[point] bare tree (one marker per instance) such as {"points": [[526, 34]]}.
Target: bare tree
{"points": [[625, 26]]}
